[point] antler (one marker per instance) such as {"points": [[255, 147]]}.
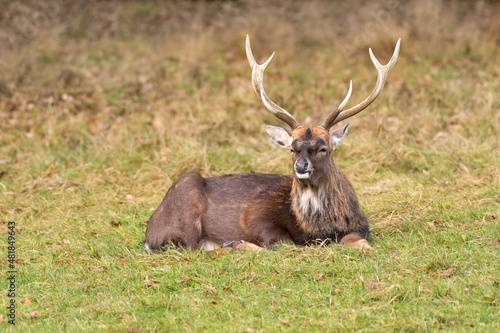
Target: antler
{"points": [[258, 85], [337, 116]]}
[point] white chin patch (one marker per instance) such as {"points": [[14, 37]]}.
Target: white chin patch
{"points": [[305, 175]]}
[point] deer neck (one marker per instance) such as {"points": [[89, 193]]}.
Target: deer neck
{"points": [[317, 206]]}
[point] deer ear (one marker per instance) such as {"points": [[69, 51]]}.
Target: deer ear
{"points": [[280, 136], [338, 135]]}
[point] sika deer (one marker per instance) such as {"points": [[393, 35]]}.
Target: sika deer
{"points": [[316, 203]]}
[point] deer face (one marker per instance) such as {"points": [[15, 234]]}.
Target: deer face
{"points": [[311, 149]]}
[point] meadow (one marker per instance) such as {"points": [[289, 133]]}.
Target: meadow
{"points": [[103, 104]]}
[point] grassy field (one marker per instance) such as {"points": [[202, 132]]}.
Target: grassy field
{"points": [[104, 104]]}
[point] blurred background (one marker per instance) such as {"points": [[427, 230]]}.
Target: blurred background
{"points": [[148, 90]]}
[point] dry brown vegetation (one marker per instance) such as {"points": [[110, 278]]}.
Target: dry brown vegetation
{"points": [[104, 103]]}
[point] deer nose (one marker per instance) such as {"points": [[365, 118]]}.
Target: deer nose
{"points": [[301, 167]]}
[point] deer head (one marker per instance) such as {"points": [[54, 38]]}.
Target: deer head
{"points": [[312, 147]]}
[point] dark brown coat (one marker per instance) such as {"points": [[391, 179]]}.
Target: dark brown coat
{"points": [[264, 209]]}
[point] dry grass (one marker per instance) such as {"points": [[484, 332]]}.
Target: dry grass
{"points": [[103, 105]]}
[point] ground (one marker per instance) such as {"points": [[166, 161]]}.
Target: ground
{"points": [[103, 104]]}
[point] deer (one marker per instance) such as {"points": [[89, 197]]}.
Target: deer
{"points": [[256, 211]]}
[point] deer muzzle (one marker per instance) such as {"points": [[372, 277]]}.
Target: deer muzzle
{"points": [[302, 170]]}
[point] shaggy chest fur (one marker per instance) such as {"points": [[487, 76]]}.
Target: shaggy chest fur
{"points": [[322, 213]]}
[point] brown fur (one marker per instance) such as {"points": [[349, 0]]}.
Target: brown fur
{"points": [[262, 209], [317, 132], [338, 213]]}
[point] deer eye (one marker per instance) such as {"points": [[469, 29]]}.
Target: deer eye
{"points": [[291, 150], [323, 150]]}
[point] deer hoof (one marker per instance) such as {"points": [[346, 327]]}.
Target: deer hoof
{"points": [[241, 245], [362, 244], [231, 244]]}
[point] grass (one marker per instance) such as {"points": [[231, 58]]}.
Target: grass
{"points": [[102, 107]]}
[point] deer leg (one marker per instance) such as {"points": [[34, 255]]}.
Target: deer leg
{"points": [[270, 237], [242, 245], [178, 219], [357, 241], [264, 231]]}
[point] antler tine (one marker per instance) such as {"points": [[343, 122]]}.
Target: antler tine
{"points": [[258, 85], [328, 123], [383, 73]]}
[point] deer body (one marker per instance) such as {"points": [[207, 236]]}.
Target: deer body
{"points": [[232, 207], [316, 203], [263, 209]]}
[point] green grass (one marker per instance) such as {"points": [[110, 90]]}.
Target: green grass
{"points": [[107, 105]]}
